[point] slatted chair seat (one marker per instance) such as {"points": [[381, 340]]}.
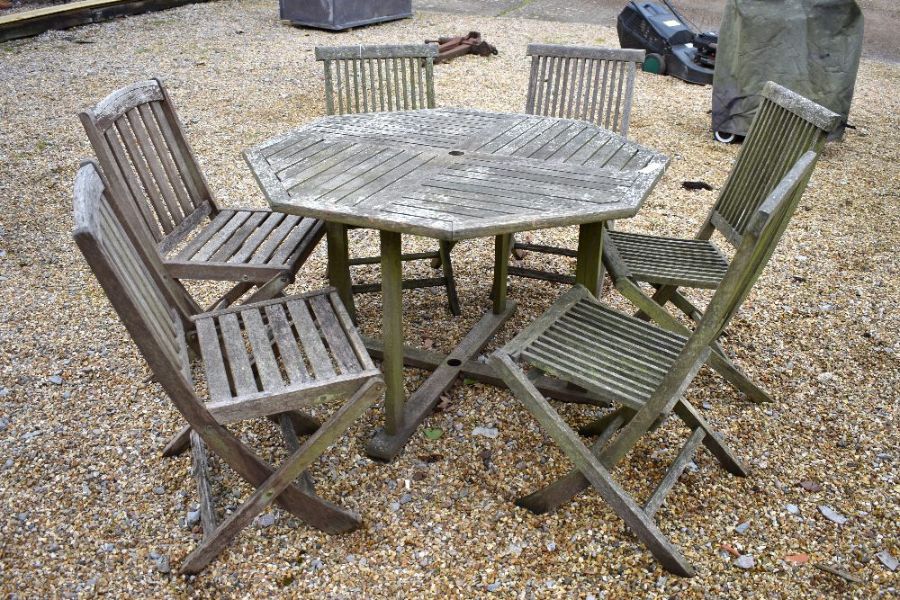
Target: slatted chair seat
{"points": [[300, 348], [384, 78], [589, 339], [667, 260], [644, 371], [261, 243], [167, 207], [785, 126], [263, 359]]}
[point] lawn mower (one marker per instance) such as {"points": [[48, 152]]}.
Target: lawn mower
{"points": [[674, 45]]}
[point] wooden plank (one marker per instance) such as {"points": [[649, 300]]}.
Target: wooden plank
{"points": [[309, 336], [200, 469], [685, 455], [263, 356], [335, 336], [238, 358], [287, 344], [35, 22], [153, 159], [350, 331], [213, 361], [292, 398]]}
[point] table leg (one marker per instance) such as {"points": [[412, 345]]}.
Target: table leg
{"points": [[392, 294], [501, 265], [339, 265], [589, 268]]}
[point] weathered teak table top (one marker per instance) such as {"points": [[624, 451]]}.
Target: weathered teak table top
{"points": [[455, 174], [451, 174]]}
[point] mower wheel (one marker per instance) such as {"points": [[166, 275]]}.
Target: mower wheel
{"points": [[655, 63], [725, 137]]}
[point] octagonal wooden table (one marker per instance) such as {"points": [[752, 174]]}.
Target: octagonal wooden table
{"points": [[450, 174]]}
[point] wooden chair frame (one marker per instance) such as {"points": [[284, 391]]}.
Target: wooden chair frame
{"points": [[360, 79], [587, 83], [786, 125], [167, 206], [643, 369], [258, 387]]}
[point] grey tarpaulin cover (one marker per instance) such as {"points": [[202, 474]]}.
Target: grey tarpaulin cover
{"points": [[809, 46]]}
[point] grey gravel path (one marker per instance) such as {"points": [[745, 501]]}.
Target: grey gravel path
{"points": [[88, 506]]}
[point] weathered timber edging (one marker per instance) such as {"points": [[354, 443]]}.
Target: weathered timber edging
{"points": [[72, 14]]}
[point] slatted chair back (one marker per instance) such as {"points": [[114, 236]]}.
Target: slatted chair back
{"points": [[761, 236], [152, 323], [785, 126], [141, 146], [361, 79], [591, 84], [125, 277]]}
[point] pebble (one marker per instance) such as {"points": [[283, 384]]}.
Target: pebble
{"points": [[55, 379], [159, 490], [792, 508], [266, 520], [162, 565], [887, 560], [488, 432], [743, 527], [4, 423], [493, 587], [193, 517], [745, 561], [107, 547], [832, 515], [406, 498]]}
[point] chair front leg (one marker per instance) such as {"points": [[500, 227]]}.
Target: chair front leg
{"points": [[280, 479], [592, 469]]}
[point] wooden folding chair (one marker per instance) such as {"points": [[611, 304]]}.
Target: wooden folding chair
{"points": [[786, 125], [587, 83], [271, 358], [642, 369], [166, 203], [362, 79]]}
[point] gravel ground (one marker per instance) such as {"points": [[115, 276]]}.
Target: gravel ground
{"points": [[90, 507]]}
